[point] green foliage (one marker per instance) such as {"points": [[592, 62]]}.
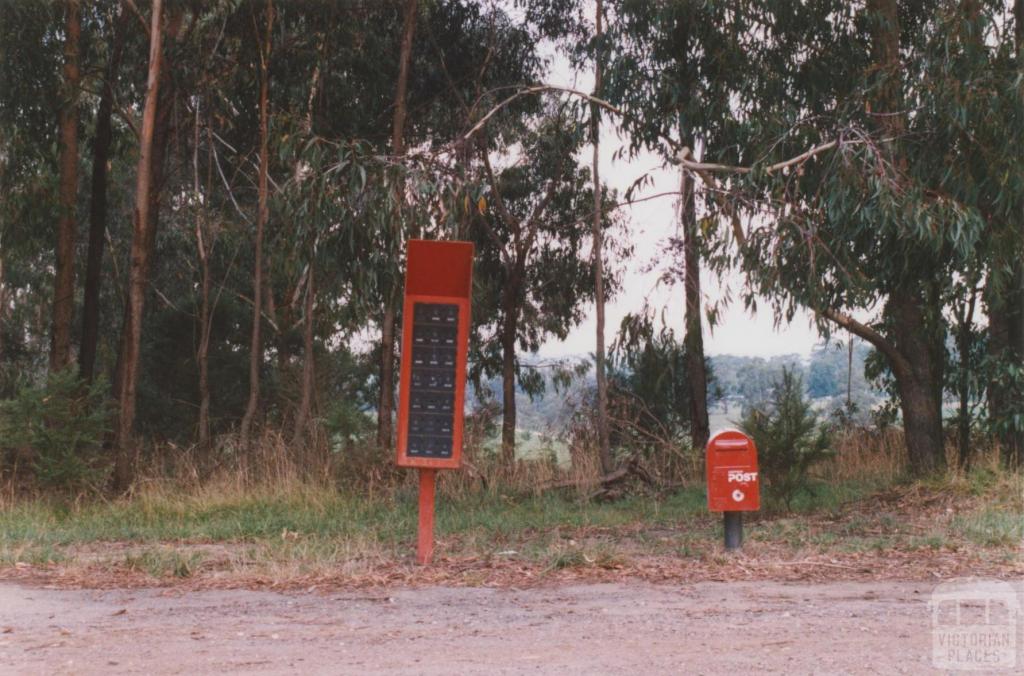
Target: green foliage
{"points": [[59, 427], [1009, 377], [741, 83], [347, 425], [532, 230], [789, 439], [647, 385]]}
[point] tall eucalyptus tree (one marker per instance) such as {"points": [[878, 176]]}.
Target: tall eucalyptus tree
{"points": [[67, 225]]}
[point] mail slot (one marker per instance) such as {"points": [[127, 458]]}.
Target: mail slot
{"points": [[732, 474]]}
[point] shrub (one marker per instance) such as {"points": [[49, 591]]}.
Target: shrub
{"points": [[789, 439], [59, 428]]}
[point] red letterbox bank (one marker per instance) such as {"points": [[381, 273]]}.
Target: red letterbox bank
{"points": [[733, 481], [432, 386]]}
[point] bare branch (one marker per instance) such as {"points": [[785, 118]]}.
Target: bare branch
{"points": [[540, 89], [683, 158], [864, 331], [227, 185]]}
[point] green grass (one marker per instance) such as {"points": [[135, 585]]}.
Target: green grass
{"points": [[991, 527], [328, 514], [31, 553], [824, 496], [163, 562]]}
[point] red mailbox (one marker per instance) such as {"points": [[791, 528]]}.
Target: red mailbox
{"points": [[733, 479], [432, 386]]}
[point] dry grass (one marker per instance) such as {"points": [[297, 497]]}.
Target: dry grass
{"points": [[880, 456], [281, 516], [867, 455]]}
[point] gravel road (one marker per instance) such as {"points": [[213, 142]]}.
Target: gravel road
{"points": [[631, 627]]}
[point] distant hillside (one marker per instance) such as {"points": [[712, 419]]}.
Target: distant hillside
{"points": [[738, 381]]}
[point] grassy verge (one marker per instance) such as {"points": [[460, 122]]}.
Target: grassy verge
{"points": [[299, 530]]}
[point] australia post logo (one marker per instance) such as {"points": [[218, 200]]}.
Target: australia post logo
{"points": [[740, 477]]}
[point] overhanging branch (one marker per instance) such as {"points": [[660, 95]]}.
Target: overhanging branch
{"points": [[684, 155], [898, 361]]}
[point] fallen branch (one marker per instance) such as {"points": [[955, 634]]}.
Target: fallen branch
{"points": [[609, 485], [817, 563]]}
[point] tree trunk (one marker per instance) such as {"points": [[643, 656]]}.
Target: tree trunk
{"points": [[64, 284], [915, 357], [386, 401], [508, 391], [885, 52], [965, 322], [141, 237], [603, 447], [203, 254], [1005, 337], [922, 424], [693, 336], [3, 306], [919, 378], [98, 207], [849, 372], [308, 362], [283, 317], [398, 121], [998, 344], [203, 349], [912, 311], [509, 332], [256, 344], [1013, 440]]}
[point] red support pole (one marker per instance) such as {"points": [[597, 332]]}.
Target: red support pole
{"points": [[425, 543]]}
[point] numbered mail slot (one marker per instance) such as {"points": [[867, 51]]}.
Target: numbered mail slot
{"points": [[430, 424], [443, 314], [431, 379], [433, 357], [732, 473], [431, 402], [437, 336], [430, 447]]}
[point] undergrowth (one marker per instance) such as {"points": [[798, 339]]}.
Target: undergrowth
{"points": [[293, 526]]}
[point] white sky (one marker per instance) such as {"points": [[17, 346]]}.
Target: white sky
{"points": [[650, 225]]}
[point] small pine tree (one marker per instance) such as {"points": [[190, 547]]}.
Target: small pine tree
{"points": [[789, 439], [59, 427]]}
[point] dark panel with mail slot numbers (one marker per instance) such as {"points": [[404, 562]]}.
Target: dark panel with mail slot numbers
{"points": [[432, 381]]}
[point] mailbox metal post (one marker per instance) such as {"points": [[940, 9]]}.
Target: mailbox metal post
{"points": [[733, 523], [733, 482], [432, 382]]}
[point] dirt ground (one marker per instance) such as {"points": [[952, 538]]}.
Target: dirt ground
{"points": [[627, 627]]}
